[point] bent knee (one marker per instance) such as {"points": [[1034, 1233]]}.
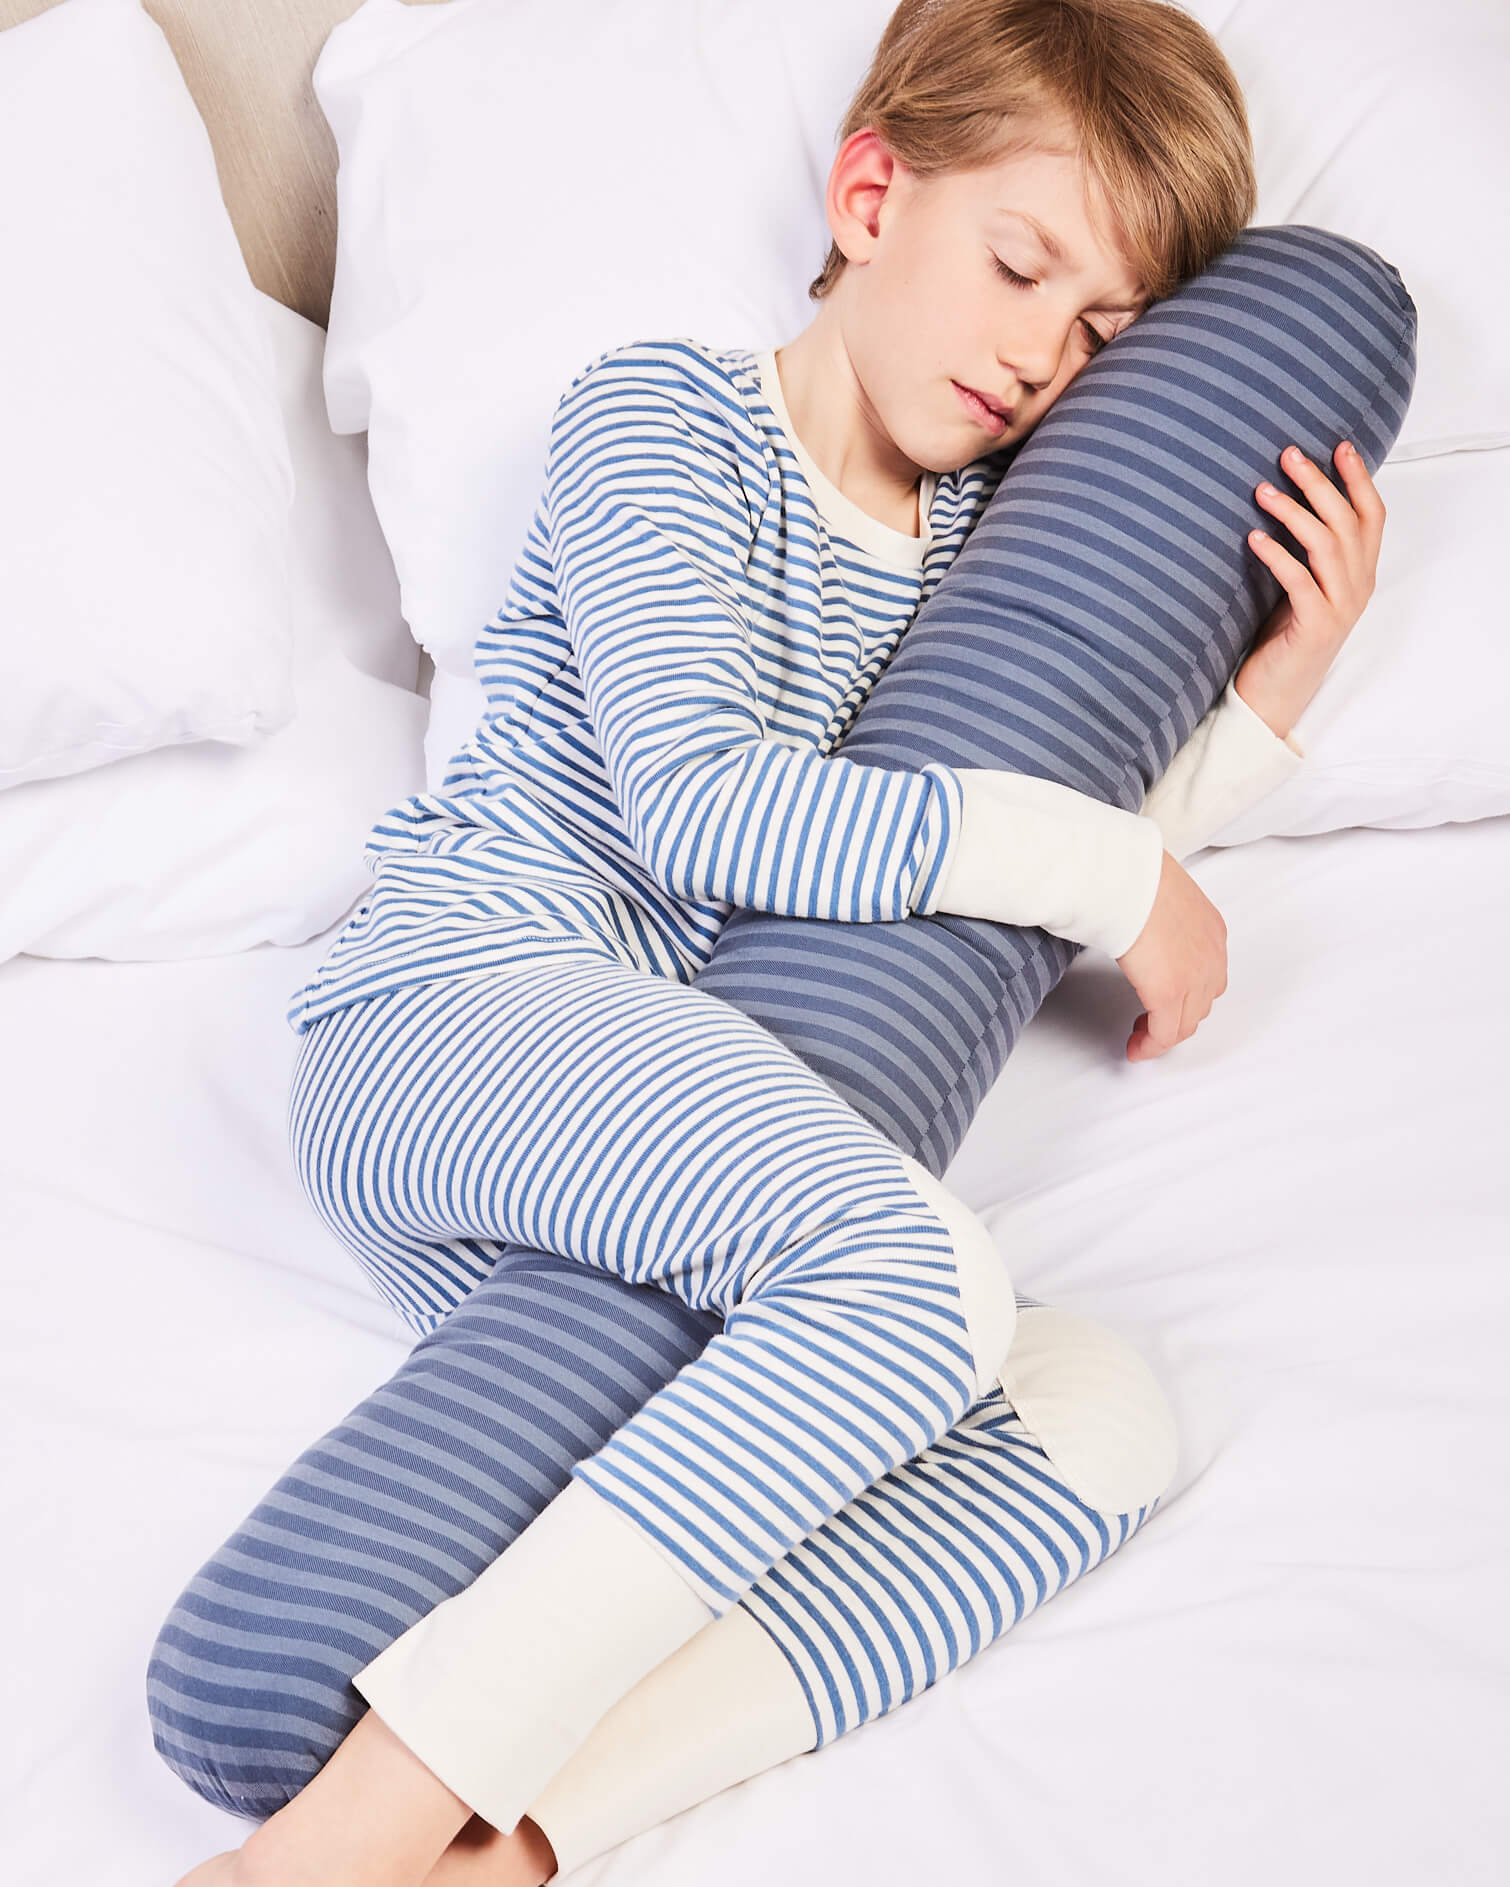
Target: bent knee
{"points": [[1095, 1408], [986, 1296]]}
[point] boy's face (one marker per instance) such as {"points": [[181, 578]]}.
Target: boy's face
{"points": [[929, 315]]}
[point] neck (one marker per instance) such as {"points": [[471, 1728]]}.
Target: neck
{"points": [[838, 427]]}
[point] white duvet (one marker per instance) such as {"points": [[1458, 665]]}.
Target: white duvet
{"points": [[1299, 1672]]}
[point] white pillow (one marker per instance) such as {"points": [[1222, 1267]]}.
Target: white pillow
{"points": [[1408, 726], [202, 850], [485, 253], [1386, 120], [144, 478], [457, 704]]}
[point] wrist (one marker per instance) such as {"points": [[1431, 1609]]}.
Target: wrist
{"points": [[1278, 718]]}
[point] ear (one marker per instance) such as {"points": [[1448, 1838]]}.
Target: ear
{"points": [[862, 172]]}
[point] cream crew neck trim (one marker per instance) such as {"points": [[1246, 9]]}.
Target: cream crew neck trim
{"points": [[897, 549]]}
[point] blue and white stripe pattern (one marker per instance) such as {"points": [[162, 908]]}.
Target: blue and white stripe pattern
{"points": [[419, 1118], [929, 1566], [640, 1127], [682, 644], [1095, 617], [422, 1485]]}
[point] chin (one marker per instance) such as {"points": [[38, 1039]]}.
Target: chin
{"points": [[936, 454], [962, 456]]}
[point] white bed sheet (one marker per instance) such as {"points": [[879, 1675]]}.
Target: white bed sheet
{"points": [[1298, 1671]]}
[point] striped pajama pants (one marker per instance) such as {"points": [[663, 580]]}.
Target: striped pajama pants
{"points": [[802, 1413]]}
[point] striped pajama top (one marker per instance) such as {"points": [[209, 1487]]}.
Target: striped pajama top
{"points": [[696, 617]]}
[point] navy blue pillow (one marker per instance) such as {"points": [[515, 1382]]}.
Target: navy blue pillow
{"points": [[1096, 612]]}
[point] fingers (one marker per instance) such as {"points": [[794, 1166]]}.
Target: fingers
{"points": [[1331, 506], [1363, 492], [1341, 533], [1166, 1025], [1331, 531], [1292, 573], [1162, 1026]]}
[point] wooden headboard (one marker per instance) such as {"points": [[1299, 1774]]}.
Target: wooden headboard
{"points": [[247, 63]]}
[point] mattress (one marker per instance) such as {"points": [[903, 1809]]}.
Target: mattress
{"points": [[1298, 1670]]}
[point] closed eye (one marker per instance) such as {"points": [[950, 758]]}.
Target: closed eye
{"points": [[1094, 336]]}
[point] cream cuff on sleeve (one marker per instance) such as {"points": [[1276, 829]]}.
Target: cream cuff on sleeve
{"points": [[1029, 851], [1232, 759]]}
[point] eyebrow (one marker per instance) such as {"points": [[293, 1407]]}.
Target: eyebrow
{"points": [[1053, 247]]}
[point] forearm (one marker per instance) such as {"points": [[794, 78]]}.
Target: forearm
{"points": [[786, 831], [770, 826]]}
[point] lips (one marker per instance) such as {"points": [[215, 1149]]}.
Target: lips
{"points": [[984, 410]]}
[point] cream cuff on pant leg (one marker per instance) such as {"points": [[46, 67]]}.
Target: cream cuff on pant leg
{"points": [[496, 1687], [722, 1709]]}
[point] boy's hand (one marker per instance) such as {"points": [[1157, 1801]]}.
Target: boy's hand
{"points": [[1299, 642], [1177, 963]]}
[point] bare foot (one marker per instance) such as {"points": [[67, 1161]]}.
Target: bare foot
{"points": [[218, 1871], [478, 1857], [482, 1857]]}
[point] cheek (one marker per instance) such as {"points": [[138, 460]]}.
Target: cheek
{"points": [[1052, 392], [1074, 361]]}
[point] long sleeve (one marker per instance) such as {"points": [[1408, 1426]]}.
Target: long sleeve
{"points": [[649, 529], [1088, 871]]}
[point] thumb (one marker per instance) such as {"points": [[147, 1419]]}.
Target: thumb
{"points": [[1161, 1030]]}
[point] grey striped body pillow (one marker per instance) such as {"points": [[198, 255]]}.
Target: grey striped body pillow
{"points": [[1096, 612]]}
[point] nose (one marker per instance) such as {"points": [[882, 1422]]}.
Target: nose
{"points": [[1036, 350]]}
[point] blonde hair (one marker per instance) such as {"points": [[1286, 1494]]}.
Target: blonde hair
{"points": [[1155, 109]]}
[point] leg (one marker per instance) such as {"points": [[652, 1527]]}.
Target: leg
{"points": [[662, 1136], [400, 1505], [423, 1484], [473, 1141], [636, 1126], [915, 1576]]}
